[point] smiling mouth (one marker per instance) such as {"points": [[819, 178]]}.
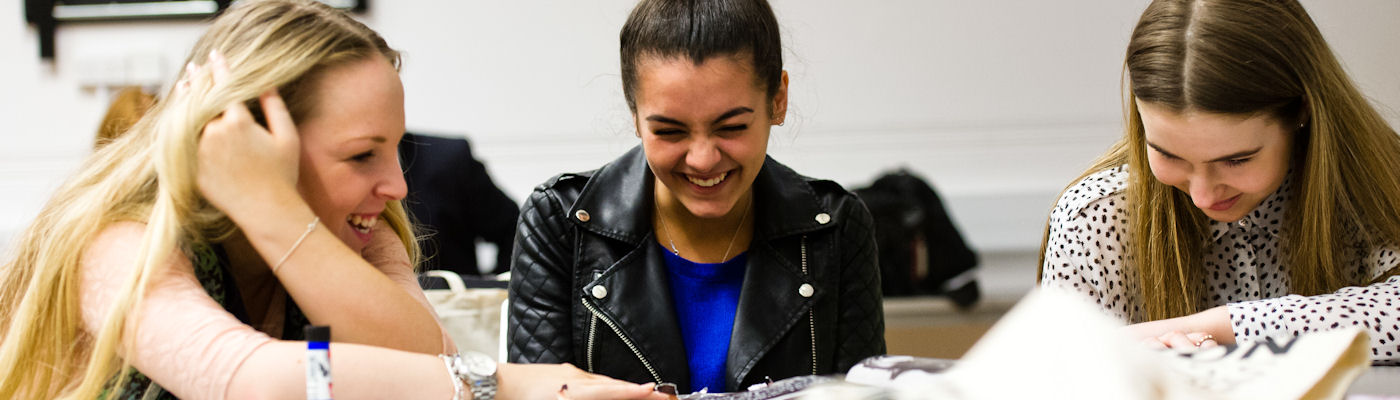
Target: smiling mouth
{"points": [[1225, 205], [362, 224], [707, 182]]}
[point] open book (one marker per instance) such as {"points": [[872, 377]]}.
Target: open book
{"points": [[1051, 345], [1054, 346]]}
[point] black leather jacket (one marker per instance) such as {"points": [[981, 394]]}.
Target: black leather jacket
{"points": [[589, 285]]}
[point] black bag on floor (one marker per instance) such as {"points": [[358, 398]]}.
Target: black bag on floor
{"points": [[921, 252]]}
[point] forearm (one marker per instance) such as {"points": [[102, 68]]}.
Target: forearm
{"points": [[335, 286], [1215, 322], [277, 371]]}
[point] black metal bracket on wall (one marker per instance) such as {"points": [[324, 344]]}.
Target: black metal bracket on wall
{"points": [[40, 13]]}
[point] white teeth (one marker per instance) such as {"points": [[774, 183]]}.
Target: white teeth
{"points": [[708, 182], [362, 224]]}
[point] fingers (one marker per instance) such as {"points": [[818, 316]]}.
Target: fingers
{"points": [[279, 120], [1154, 344], [1182, 341], [1176, 340], [218, 66], [191, 71], [598, 389], [1202, 340]]}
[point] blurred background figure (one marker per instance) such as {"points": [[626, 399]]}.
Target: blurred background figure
{"points": [[127, 107]]}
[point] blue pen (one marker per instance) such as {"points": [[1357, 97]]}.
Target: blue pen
{"points": [[318, 362]]}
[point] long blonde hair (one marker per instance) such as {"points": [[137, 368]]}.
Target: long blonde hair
{"points": [[148, 175], [1251, 57]]}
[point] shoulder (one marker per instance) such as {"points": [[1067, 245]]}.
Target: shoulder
{"points": [[1102, 192], [561, 190], [837, 198], [116, 240], [827, 193], [117, 247]]}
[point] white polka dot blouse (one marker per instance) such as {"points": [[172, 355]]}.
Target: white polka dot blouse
{"points": [[1245, 270]]}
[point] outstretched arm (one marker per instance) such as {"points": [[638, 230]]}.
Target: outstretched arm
{"points": [[188, 344]]}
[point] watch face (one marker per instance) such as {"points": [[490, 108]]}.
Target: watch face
{"points": [[479, 364]]}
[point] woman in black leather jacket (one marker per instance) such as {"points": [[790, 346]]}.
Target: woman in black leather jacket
{"points": [[694, 258]]}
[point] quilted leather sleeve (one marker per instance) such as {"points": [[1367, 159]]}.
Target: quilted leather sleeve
{"points": [[861, 315], [539, 329]]}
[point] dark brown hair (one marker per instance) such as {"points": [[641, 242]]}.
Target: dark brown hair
{"points": [[699, 30]]}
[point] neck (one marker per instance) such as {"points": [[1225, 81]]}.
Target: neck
{"points": [[708, 240]]}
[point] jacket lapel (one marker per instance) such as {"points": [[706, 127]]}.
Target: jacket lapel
{"points": [[769, 303], [637, 288], [769, 306], [638, 299]]}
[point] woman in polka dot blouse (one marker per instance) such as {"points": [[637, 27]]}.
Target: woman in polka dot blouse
{"points": [[1255, 191]]}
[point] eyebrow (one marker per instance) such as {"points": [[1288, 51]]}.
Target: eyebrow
{"points": [[727, 115], [1227, 157], [375, 138]]}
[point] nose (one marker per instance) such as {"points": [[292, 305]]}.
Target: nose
{"points": [[1203, 189], [703, 155], [391, 183]]}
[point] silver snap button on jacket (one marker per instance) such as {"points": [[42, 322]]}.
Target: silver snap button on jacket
{"points": [[806, 289], [823, 218], [600, 292], [582, 215]]}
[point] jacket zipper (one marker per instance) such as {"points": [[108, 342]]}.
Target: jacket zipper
{"points": [[811, 312], [592, 332], [629, 344]]}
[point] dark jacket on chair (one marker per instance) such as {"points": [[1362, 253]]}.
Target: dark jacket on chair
{"points": [[589, 285], [453, 201]]}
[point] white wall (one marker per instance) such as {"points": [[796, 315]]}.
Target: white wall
{"points": [[999, 103]]}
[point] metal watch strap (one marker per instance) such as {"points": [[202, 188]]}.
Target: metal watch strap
{"points": [[484, 389], [483, 386], [458, 384]]}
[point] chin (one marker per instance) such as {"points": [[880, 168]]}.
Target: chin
{"points": [[1233, 214], [707, 209]]}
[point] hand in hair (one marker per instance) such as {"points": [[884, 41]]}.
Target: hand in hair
{"points": [[242, 165]]}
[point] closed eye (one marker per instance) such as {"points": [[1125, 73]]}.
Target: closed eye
{"points": [[735, 128], [1169, 156], [1237, 161], [667, 132], [362, 157]]}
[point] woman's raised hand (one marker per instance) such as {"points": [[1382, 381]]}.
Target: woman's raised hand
{"points": [[242, 165]]}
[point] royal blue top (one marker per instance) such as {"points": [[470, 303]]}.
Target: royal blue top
{"points": [[707, 296]]}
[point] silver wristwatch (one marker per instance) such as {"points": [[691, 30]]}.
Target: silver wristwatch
{"points": [[477, 370]]}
